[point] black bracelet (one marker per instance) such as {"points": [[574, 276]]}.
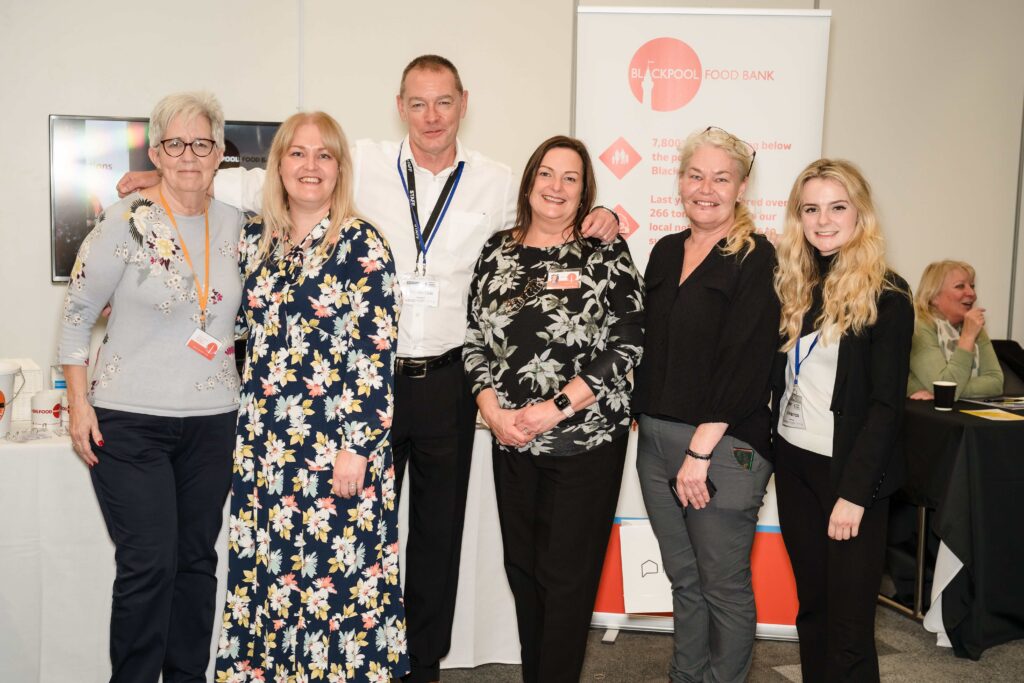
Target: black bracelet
{"points": [[698, 455], [617, 222]]}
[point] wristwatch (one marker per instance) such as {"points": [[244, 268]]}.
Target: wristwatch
{"points": [[563, 403]]}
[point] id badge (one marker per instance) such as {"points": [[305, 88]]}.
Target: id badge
{"points": [[564, 279], [421, 290], [203, 344], [793, 416]]}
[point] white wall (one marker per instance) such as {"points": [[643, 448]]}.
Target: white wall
{"points": [[924, 94]]}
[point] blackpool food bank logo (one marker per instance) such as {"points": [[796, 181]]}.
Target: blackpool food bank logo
{"points": [[665, 74]]}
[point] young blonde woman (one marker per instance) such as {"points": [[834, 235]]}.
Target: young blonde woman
{"points": [[838, 391]]}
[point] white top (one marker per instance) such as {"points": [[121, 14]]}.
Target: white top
{"points": [[484, 203], [817, 380]]}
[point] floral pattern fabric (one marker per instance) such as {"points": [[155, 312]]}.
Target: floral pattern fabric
{"points": [[529, 334], [313, 585], [133, 259]]}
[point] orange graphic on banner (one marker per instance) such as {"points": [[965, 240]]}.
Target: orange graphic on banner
{"points": [[665, 74], [3, 405], [620, 158]]}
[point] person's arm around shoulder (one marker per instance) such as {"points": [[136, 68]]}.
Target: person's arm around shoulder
{"points": [[239, 187]]}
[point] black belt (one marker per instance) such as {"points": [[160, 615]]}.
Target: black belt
{"points": [[419, 367]]}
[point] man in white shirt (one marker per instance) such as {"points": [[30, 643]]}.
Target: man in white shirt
{"points": [[460, 198]]}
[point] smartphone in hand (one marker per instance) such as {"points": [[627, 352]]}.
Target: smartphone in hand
{"points": [[712, 489]]}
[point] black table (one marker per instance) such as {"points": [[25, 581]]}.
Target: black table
{"points": [[970, 471]]}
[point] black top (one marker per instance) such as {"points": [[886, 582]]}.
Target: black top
{"points": [[528, 351], [710, 340], [867, 399]]}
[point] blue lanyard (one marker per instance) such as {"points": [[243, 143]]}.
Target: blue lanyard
{"points": [[434, 222], [797, 362]]}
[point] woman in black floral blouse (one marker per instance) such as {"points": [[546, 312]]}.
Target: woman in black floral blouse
{"points": [[555, 325]]}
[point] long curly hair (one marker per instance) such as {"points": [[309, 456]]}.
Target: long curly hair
{"points": [[858, 275]]}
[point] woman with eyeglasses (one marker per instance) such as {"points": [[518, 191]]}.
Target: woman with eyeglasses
{"points": [[555, 326], [838, 393], [155, 423], [701, 400]]}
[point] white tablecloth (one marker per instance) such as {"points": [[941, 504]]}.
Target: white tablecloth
{"points": [[57, 568]]}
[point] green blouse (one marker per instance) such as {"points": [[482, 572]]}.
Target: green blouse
{"points": [[928, 364]]}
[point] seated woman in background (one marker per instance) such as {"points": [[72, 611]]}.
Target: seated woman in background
{"points": [[950, 342]]}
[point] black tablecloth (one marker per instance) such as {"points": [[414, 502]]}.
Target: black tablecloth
{"points": [[971, 471]]}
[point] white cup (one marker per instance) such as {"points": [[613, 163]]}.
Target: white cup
{"points": [[8, 373], [65, 415], [46, 410]]}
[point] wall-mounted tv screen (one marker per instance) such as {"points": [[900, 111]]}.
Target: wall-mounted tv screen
{"points": [[89, 154]]}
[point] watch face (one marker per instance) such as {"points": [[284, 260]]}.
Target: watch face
{"points": [[562, 401]]}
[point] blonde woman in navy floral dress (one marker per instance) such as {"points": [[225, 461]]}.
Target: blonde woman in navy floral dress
{"points": [[313, 586]]}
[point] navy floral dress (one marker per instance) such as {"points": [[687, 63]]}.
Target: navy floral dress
{"points": [[313, 585]]}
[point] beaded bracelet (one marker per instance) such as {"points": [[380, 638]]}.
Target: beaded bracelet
{"points": [[698, 455]]}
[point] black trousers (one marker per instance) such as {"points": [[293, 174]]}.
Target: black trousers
{"points": [[161, 483], [836, 581], [433, 431], [556, 514]]}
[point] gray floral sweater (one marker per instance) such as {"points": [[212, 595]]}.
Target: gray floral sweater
{"points": [[539, 317], [134, 260]]}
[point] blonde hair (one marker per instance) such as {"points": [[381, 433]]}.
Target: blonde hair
{"points": [[932, 280], [858, 275], [741, 233], [277, 223], [187, 105]]}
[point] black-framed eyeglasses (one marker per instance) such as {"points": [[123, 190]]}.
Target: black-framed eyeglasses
{"points": [[532, 289], [750, 147], [175, 147]]}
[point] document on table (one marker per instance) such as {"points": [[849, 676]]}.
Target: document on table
{"points": [[994, 414]]}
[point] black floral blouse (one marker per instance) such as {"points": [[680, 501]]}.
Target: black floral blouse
{"points": [[538, 317]]}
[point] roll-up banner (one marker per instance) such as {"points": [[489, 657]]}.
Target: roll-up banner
{"points": [[645, 78]]}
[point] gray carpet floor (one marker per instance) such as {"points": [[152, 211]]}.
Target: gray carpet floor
{"points": [[907, 654]]}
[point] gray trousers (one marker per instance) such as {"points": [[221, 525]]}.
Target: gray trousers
{"points": [[706, 553]]}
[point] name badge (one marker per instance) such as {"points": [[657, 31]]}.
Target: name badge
{"points": [[420, 290], [564, 279], [793, 416], [203, 344]]}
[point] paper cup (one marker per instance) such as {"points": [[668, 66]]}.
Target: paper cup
{"points": [[945, 393], [46, 410]]}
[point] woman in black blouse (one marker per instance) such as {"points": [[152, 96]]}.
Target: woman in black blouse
{"points": [[555, 326], [838, 394], [701, 397]]}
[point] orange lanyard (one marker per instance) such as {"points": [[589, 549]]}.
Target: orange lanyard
{"points": [[202, 290]]}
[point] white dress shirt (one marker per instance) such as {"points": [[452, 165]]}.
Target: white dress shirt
{"points": [[484, 203]]}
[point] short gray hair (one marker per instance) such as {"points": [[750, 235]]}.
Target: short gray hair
{"points": [[188, 105]]}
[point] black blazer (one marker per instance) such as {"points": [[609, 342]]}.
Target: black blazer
{"points": [[867, 400]]}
